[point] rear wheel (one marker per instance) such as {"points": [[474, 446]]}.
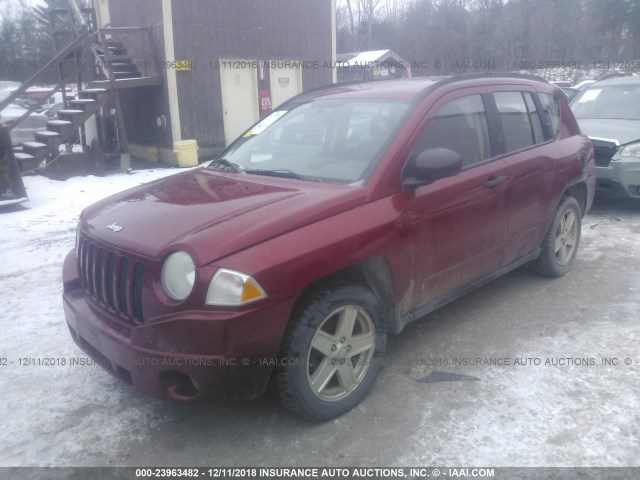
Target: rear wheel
{"points": [[331, 351], [560, 244]]}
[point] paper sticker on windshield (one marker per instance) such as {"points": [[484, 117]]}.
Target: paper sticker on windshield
{"points": [[260, 157], [589, 96], [262, 126]]}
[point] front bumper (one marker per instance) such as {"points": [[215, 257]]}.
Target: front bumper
{"points": [[620, 179], [223, 355]]}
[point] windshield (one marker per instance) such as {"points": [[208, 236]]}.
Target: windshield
{"points": [[613, 101], [325, 140]]}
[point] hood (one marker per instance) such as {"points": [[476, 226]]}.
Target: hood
{"points": [[212, 214], [622, 131]]}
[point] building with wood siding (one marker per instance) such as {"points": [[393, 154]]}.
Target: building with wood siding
{"points": [[223, 64]]}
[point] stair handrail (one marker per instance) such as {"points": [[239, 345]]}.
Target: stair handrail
{"points": [[61, 54]]}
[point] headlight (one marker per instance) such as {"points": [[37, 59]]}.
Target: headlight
{"points": [[632, 150], [178, 275], [231, 288]]}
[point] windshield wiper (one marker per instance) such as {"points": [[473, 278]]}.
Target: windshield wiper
{"points": [[225, 165], [281, 172]]}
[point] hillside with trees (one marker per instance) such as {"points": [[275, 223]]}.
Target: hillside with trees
{"points": [[456, 35], [503, 34]]}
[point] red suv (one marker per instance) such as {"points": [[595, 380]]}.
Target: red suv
{"points": [[349, 212]]}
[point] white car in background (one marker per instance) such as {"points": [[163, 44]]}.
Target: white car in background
{"points": [[584, 84], [25, 131]]}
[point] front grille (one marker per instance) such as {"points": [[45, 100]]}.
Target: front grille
{"points": [[603, 151], [112, 279]]}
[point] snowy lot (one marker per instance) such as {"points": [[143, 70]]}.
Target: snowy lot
{"points": [[569, 410]]}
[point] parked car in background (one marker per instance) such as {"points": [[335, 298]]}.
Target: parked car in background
{"points": [[9, 84], [6, 91], [52, 110], [561, 83], [570, 92], [57, 98], [609, 113], [25, 131], [342, 216], [584, 84]]}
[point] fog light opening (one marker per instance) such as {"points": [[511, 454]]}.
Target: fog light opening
{"points": [[178, 385]]}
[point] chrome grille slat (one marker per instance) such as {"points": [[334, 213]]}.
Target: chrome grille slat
{"points": [[98, 268], [123, 286], [137, 291], [111, 266], [112, 279], [90, 271]]}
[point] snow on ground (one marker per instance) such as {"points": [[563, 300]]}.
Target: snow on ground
{"points": [[63, 415], [35, 239]]}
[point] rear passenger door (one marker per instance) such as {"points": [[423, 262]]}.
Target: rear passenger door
{"points": [[459, 223], [524, 137]]}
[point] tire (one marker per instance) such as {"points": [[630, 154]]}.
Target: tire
{"points": [[331, 352], [560, 244]]}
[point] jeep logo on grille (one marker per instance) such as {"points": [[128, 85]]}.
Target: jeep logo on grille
{"points": [[114, 227]]}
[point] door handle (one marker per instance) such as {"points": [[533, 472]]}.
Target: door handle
{"points": [[494, 182]]}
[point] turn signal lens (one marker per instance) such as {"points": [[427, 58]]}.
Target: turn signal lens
{"points": [[231, 288]]}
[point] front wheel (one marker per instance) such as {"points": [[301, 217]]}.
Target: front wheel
{"points": [[331, 352], [560, 244]]}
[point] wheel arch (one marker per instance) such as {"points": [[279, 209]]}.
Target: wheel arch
{"points": [[373, 273], [579, 192]]}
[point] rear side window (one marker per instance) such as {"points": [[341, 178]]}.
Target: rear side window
{"points": [[461, 126], [515, 120], [536, 123], [550, 112]]}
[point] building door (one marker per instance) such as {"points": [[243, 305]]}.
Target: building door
{"points": [[286, 81], [239, 97]]}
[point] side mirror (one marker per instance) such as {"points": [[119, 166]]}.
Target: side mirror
{"points": [[430, 165]]}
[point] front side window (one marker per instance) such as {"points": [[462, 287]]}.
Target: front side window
{"points": [[326, 140], [461, 126]]}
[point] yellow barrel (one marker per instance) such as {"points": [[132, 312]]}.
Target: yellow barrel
{"points": [[186, 152]]}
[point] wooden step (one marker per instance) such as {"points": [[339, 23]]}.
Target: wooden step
{"points": [[118, 75], [63, 127], [21, 157], [74, 116], [26, 162], [93, 93], [50, 138], [116, 58], [128, 82], [124, 67], [112, 50], [37, 150], [88, 105]]}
